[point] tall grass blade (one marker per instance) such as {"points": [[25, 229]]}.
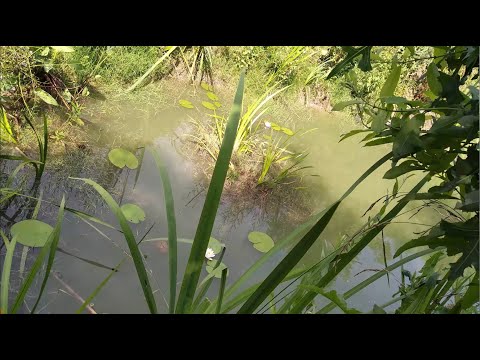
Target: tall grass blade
{"points": [[345, 259], [54, 236], [172, 228], [209, 211], [99, 287], [53, 248], [221, 291], [150, 70], [132, 245], [7, 266], [299, 250], [140, 162], [376, 276]]}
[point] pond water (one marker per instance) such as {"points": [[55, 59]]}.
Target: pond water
{"points": [[336, 165]]}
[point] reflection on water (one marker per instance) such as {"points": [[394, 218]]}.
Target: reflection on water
{"points": [[337, 167]]}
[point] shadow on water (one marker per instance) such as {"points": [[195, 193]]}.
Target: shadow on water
{"points": [[338, 166]]}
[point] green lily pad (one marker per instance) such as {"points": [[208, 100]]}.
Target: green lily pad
{"points": [[31, 233], [261, 241], [206, 86], [208, 105], [121, 157], [186, 104], [218, 271], [212, 96], [133, 213], [215, 245]]}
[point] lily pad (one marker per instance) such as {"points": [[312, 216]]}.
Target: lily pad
{"points": [[133, 213], [215, 245], [212, 96], [208, 105], [218, 271], [206, 86], [31, 233], [261, 241], [186, 104], [121, 157]]}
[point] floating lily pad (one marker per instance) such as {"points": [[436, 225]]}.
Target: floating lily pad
{"points": [[206, 86], [133, 213], [121, 157], [186, 104], [208, 105], [218, 271], [217, 104], [31, 233], [215, 245], [212, 96], [261, 241]]}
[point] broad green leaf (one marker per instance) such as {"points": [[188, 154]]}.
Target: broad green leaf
{"points": [[217, 272], [384, 140], [351, 133], [206, 86], [364, 63], [379, 120], [403, 168], [132, 244], [46, 97], [186, 104], [352, 54], [287, 131], [6, 133], [390, 84], [458, 237], [470, 203], [342, 105], [432, 79], [212, 96], [33, 233], [210, 207], [121, 157], [209, 105], [407, 141], [261, 241], [64, 49], [395, 100], [133, 213]]}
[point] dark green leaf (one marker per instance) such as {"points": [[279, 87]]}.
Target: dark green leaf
{"points": [[351, 133], [390, 84], [353, 53], [401, 169], [407, 141], [342, 105], [432, 79]]}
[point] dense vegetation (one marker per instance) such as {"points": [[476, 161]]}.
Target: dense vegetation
{"points": [[423, 101]]}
